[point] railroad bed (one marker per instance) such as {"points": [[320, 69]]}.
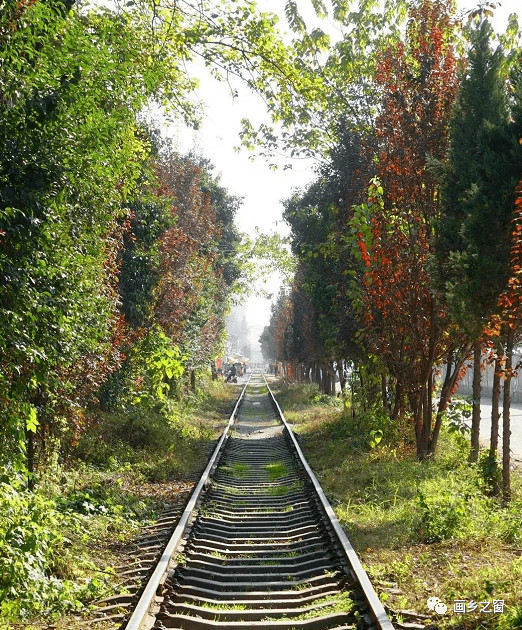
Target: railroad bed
{"points": [[262, 549]]}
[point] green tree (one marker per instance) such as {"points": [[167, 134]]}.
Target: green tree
{"points": [[318, 218], [479, 191], [69, 157], [332, 76], [73, 83]]}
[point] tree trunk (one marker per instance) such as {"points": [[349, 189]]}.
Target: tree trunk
{"points": [[477, 390], [363, 395], [450, 381], [495, 397], [424, 415], [494, 426], [317, 374], [331, 376], [397, 402], [342, 379], [417, 410], [326, 379], [31, 468], [506, 430], [193, 380]]}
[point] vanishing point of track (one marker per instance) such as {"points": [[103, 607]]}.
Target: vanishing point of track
{"points": [[258, 546]]}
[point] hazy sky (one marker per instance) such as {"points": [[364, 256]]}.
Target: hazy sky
{"points": [[261, 187]]}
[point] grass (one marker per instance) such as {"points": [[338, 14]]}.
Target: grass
{"points": [[420, 529], [276, 470], [278, 491], [159, 444], [230, 489], [237, 469], [328, 606], [222, 607], [260, 390]]}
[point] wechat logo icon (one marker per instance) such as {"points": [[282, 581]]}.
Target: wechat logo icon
{"points": [[435, 604]]}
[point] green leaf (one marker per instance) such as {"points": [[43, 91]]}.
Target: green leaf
{"points": [[32, 421]]}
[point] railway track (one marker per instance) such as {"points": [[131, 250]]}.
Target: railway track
{"points": [[258, 546]]}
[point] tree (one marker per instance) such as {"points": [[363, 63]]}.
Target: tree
{"points": [[332, 80], [405, 323], [73, 85], [471, 271], [510, 303], [478, 194], [318, 219], [266, 342], [59, 204]]}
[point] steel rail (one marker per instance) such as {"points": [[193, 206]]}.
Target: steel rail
{"points": [[146, 600], [377, 611]]}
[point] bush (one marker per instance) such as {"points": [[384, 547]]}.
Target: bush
{"points": [[490, 472], [318, 398], [511, 523], [31, 529], [123, 435], [366, 429], [453, 507], [158, 443], [457, 415]]}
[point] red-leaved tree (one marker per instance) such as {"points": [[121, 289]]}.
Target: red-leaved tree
{"points": [[405, 323]]}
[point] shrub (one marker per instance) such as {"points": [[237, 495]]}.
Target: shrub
{"points": [[453, 507], [458, 414], [318, 398], [366, 429], [30, 534], [490, 472]]}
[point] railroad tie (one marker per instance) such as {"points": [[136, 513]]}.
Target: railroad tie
{"points": [[261, 554]]}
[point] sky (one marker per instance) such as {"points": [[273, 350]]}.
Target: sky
{"points": [[262, 188]]}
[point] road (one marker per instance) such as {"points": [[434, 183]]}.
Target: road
{"points": [[516, 428]]}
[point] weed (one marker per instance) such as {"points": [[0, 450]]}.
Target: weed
{"points": [[237, 469], [276, 470], [327, 606], [180, 559], [222, 607], [278, 491], [58, 544]]}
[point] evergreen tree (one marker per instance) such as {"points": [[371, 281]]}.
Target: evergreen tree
{"points": [[485, 162]]}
